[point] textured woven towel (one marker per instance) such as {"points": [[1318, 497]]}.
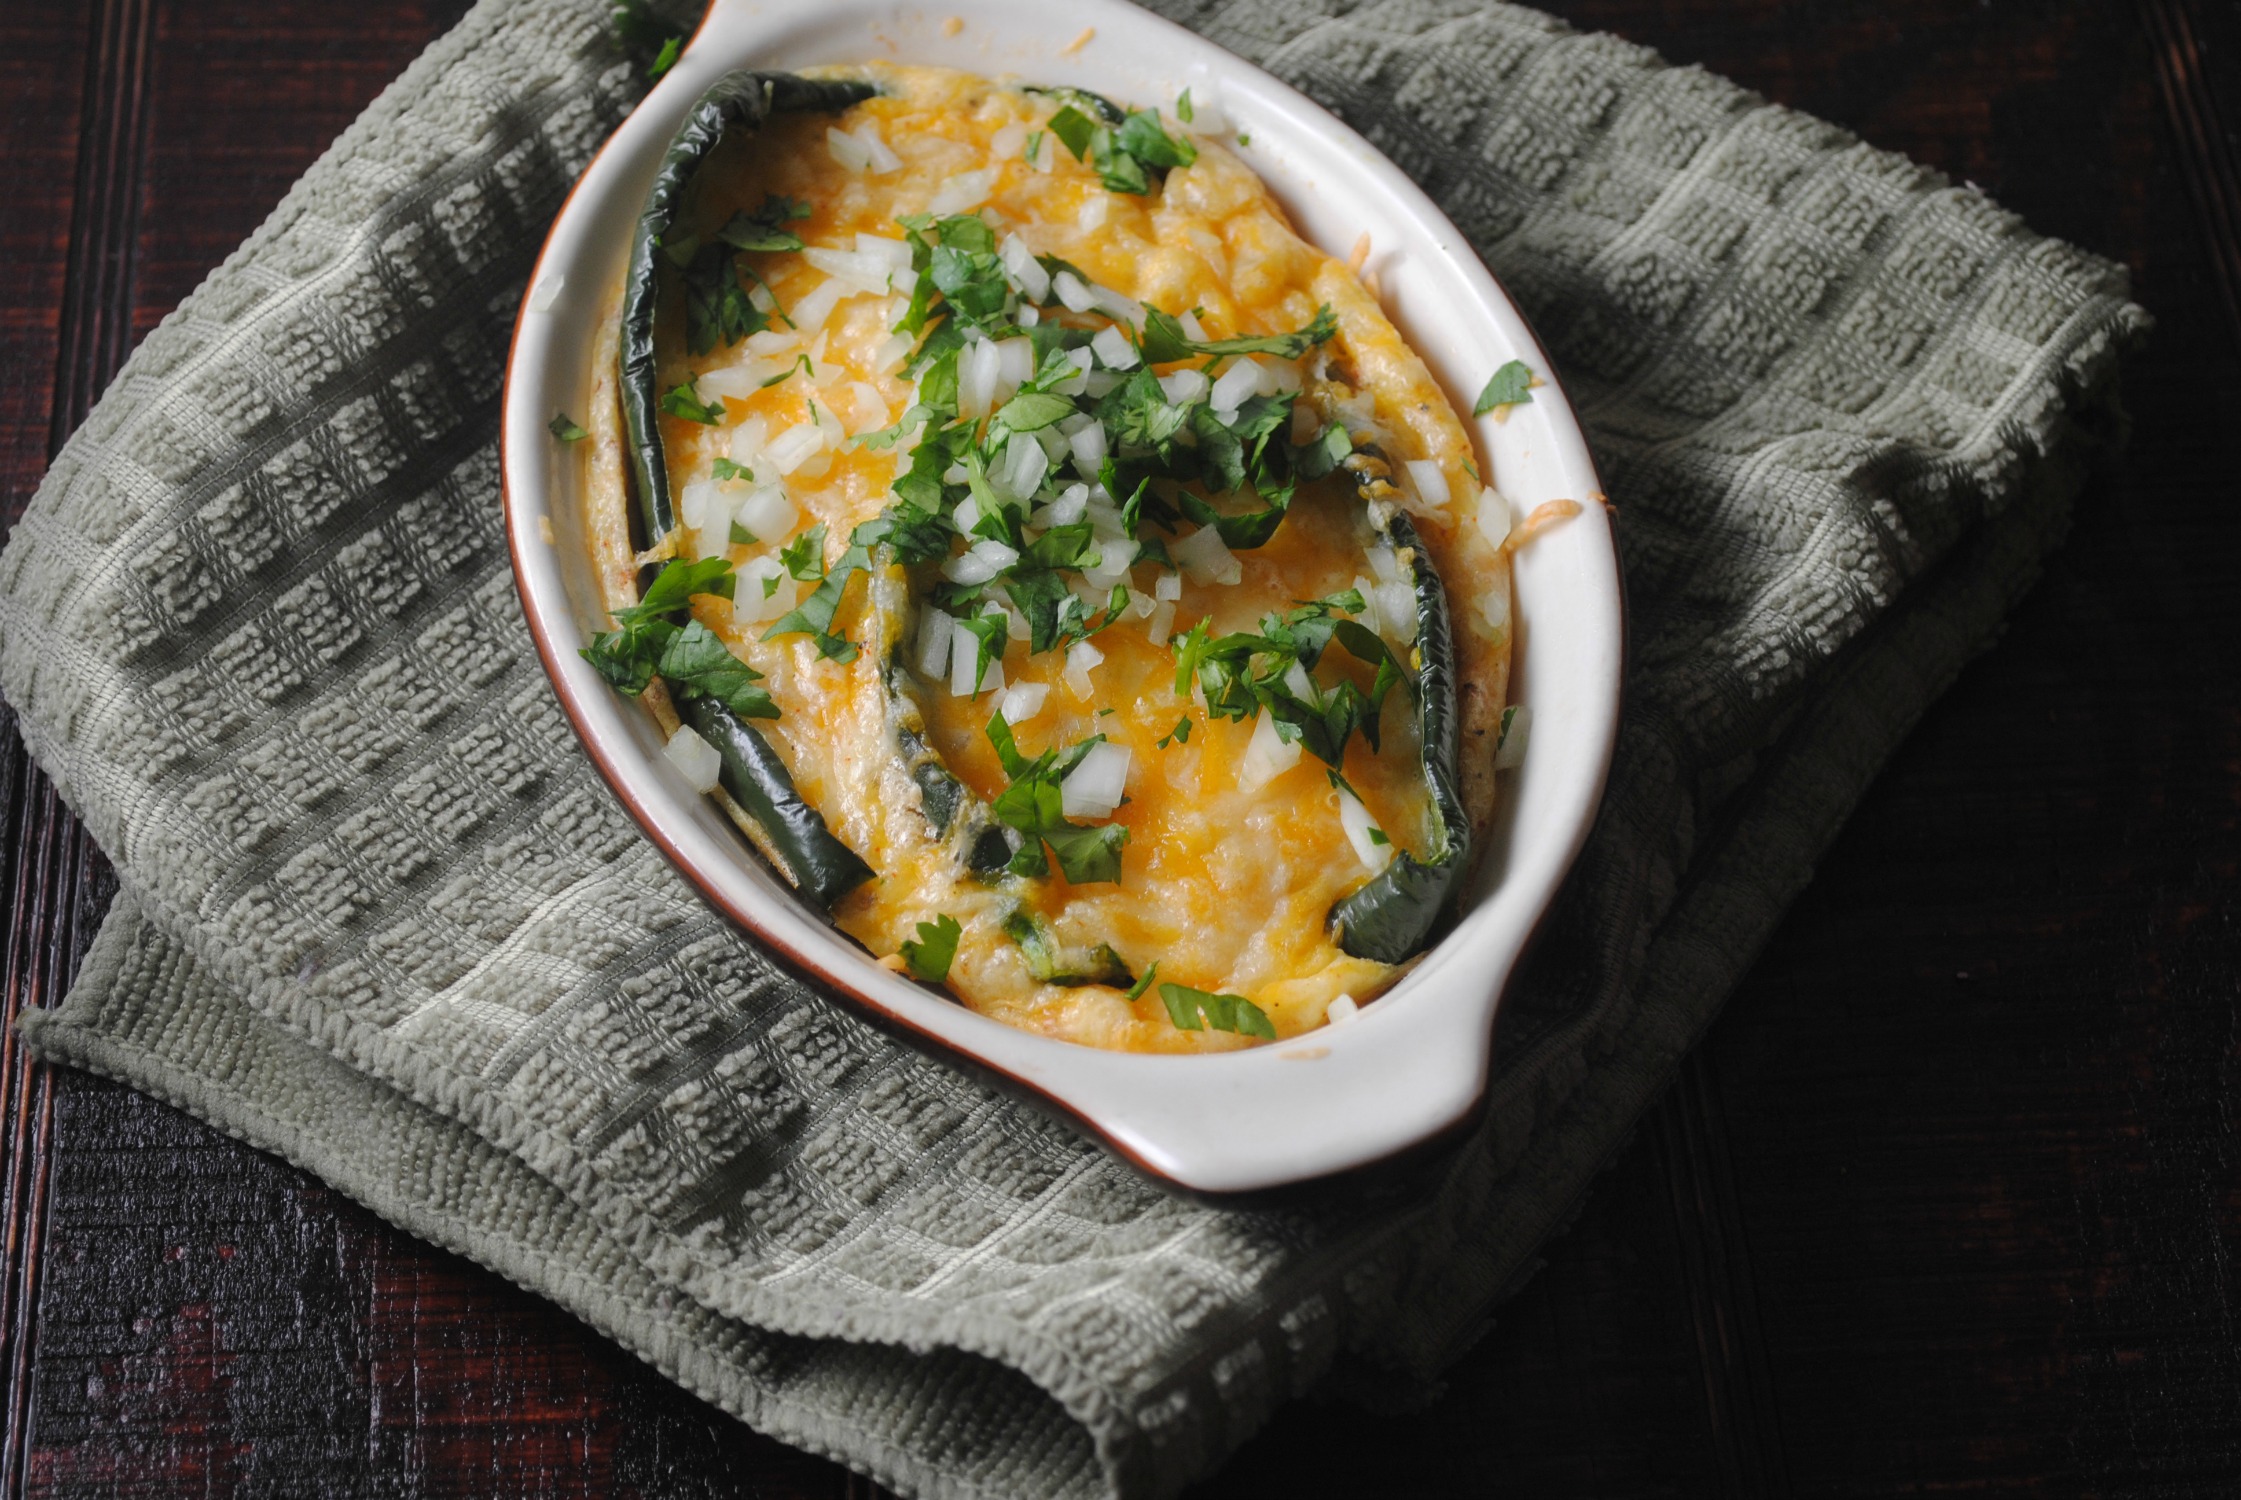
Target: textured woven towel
{"points": [[380, 916]]}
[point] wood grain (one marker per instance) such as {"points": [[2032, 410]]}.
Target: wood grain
{"points": [[1947, 1200]]}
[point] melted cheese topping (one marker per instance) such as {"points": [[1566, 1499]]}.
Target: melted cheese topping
{"points": [[1228, 890]]}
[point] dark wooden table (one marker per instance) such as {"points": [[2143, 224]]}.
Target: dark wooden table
{"points": [[1950, 1200]]}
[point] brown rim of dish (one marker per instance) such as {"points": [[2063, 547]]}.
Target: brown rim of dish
{"points": [[837, 985]]}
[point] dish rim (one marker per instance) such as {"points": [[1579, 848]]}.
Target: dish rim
{"points": [[1128, 1102]]}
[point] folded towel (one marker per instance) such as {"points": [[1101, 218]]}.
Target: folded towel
{"points": [[380, 916]]}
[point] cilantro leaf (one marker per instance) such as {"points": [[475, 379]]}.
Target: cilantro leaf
{"points": [[666, 58], [764, 229], [742, 537], [936, 949], [1511, 385], [1034, 805], [804, 556], [814, 615], [1193, 1010], [1143, 137], [801, 363], [723, 470], [1179, 735], [1031, 411], [1183, 109], [1136, 990], [683, 401], [675, 585], [564, 427], [699, 665], [1165, 341]]}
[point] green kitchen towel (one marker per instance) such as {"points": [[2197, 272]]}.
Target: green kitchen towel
{"points": [[379, 915]]}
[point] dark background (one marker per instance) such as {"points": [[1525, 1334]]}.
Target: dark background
{"points": [[1947, 1201]]}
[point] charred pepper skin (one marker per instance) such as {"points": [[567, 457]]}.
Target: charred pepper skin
{"points": [[821, 867], [1391, 919]]}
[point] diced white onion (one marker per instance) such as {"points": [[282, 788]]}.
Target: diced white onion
{"points": [[847, 150], [883, 159], [1385, 564], [894, 252], [1015, 361], [1343, 1008], [1238, 382], [1023, 700], [1493, 516], [964, 659], [1092, 216], [1494, 608], [1206, 558], [1099, 383], [1027, 273], [1068, 507], [963, 193], [695, 758], [1015, 623], [546, 292], [747, 601], [977, 369], [967, 514], [1396, 611], [1071, 292], [736, 382], [1037, 150], [771, 342], [1113, 349], [1073, 385], [1369, 612], [768, 513], [867, 409], [1183, 386], [1114, 560], [1113, 304], [828, 423], [889, 356], [1356, 820], [748, 440], [1192, 328], [810, 313], [1161, 622], [1096, 785], [1028, 315], [935, 632], [1512, 751], [1430, 481], [701, 503], [1080, 658], [1089, 449], [1168, 586], [1054, 445], [996, 554], [1140, 606], [1283, 375], [866, 273], [1302, 686], [1266, 756], [794, 447], [1023, 467], [1007, 141]]}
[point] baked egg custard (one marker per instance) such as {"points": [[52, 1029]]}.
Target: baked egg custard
{"points": [[1060, 570]]}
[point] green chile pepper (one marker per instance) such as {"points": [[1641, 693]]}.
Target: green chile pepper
{"points": [[820, 865]]}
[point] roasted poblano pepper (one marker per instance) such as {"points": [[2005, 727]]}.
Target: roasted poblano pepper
{"points": [[1391, 918], [820, 865]]}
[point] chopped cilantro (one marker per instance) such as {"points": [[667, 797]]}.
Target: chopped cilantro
{"points": [[564, 427], [1136, 990], [742, 537], [804, 556], [1165, 341], [1183, 110], [1377, 836], [764, 229], [1243, 139], [1193, 1010], [936, 949], [801, 363], [1512, 385], [724, 470], [698, 663], [650, 639], [1179, 735], [990, 632], [683, 401], [666, 58], [1124, 157], [1034, 805]]}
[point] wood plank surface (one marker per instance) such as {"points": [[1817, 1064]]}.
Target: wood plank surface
{"points": [[1947, 1201]]}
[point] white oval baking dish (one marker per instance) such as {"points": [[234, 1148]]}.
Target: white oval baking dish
{"points": [[1414, 1063]]}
